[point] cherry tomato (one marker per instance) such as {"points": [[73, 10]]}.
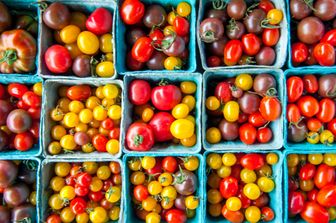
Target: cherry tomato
{"points": [[169, 164], [256, 119], [142, 49], [232, 52], [17, 90], [247, 133], [311, 195], [175, 216], [293, 114], [294, 88], [223, 92], [313, 212], [267, 214], [324, 53], [23, 141], [132, 63], [139, 92], [251, 44], [232, 216], [140, 192], [100, 21], [156, 35], [264, 135], [84, 179], [99, 142], [132, 11], [270, 37], [308, 106], [314, 125], [166, 97], [140, 137], [31, 99], [307, 171], [54, 218], [327, 196], [79, 92], [325, 175], [327, 110], [310, 83], [299, 52], [228, 187], [265, 5], [181, 26], [58, 59], [78, 205], [332, 126], [252, 161], [270, 108], [330, 37], [214, 61]]}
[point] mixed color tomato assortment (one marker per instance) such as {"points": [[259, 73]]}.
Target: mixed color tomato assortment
{"points": [[85, 192], [164, 189], [156, 38], [84, 43], [311, 109], [86, 119], [312, 187]]}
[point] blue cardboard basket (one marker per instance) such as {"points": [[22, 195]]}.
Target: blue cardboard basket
{"points": [[50, 93], [47, 173], [47, 39], [156, 78], [304, 145], [31, 6], [286, 153], [276, 197], [276, 126], [280, 48], [29, 80], [129, 215], [122, 46]]}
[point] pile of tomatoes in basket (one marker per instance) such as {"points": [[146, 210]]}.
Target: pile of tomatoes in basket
{"points": [[242, 107], [164, 188], [164, 113], [311, 109], [312, 187], [84, 192], [86, 119], [239, 33], [84, 43], [239, 186], [314, 32], [158, 39], [20, 111]]}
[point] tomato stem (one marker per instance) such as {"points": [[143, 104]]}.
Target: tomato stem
{"points": [[265, 24], [9, 56], [138, 140], [208, 36], [249, 9], [219, 4]]}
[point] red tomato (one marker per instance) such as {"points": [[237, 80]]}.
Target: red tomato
{"points": [[324, 53], [100, 21], [35, 113], [228, 187], [214, 61], [79, 92], [166, 97], [314, 125], [313, 213], [96, 196], [310, 83], [107, 184], [17, 90], [242, 118], [114, 133], [22, 105], [169, 164], [34, 129], [175, 216], [252, 161], [140, 137], [296, 202], [327, 110], [256, 119], [139, 92], [140, 192], [31, 99], [261, 201], [251, 44], [270, 37], [78, 205], [157, 36], [107, 124], [312, 195], [235, 169], [307, 171], [99, 142], [58, 59], [294, 88], [232, 216], [330, 37], [84, 179], [299, 52], [232, 52], [23, 141], [327, 196], [325, 175], [75, 170], [132, 11], [270, 108], [293, 114], [293, 185], [70, 180], [81, 191], [247, 133], [54, 218], [267, 213], [2, 91], [308, 106], [264, 135], [133, 64], [223, 92], [142, 49], [244, 200], [156, 169], [332, 126], [266, 5], [181, 26]]}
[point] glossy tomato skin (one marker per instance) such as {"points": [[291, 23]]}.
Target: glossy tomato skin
{"points": [[17, 90], [300, 52], [143, 49], [100, 21], [228, 187], [99, 142], [139, 92], [166, 97], [307, 171], [327, 196], [132, 11], [140, 137], [313, 212], [223, 92], [327, 110], [232, 216], [310, 83], [324, 53], [296, 202], [330, 37], [270, 108], [252, 161], [79, 92], [232, 52], [264, 135], [181, 26], [58, 59], [308, 106], [270, 37], [251, 44], [293, 113], [325, 175], [332, 126], [256, 119], [175, 216], [247, 133], [23, 141], [266, 5], [160, 124], [169, 164], [294, 88]]}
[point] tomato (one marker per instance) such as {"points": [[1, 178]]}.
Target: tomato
{"points": [[327, 196], [17, 90], [140, 137], [293, 114], [313, 212], [132, 63], [173, 63], [98, 215], [67, 215], [142, 49], [251, 44], [160, 124], [23, 141], [169, 164], [311, 195], [84, 179], [310, 83], [69, 34], [330, 37], [182, 128], [324, 54], [231, 111], [183, 9], [299, 52], [105, 43], [315, 159], [139, 92], [58, 59], [228, 187], [267, 214], [274, 16], [152, 166], [181, 26], [332, 126], [105, 69], [264, 135], [223, 92], [214, 61], [325, 175], [54, 218], [256, 119], [253, 214], [270, 108], [252, 161], [294, 88], [307, 171], [78, 205], [79, 92], [314, 125], [156, 35], [326, 137], [140, 192], [232, 52], [175, 216], [180, 111], [270, 37], [153, 217], [166, 97], [214, 161], [31, 99], [99, 142], [100, 21], [265, 5], [132, 11], [308, 106], [115, 133], [232, 216], [327, 110], [247, 133]]}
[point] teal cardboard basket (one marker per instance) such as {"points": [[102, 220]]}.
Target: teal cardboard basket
{"points": [[122, 45], [47, 173], [298, 219], [130, 216], [280, 48], [29, 80], [276, 197], [47, 37], [155, 78], [277, 126], [305, 145], [50, 93]]}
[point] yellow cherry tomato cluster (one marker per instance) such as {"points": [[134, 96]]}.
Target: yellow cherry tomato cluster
{"points": [[238, 186], [164, 184], [86, 119], [85, 192]]}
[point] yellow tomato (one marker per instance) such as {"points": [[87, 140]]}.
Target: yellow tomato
{"points": [[68, 142], [183, 9], [105, 43], [266, 184], [272, 158], [182, 128], [110, 91], [109, 57], [168, 30], [248, 176], [214, 196], [114, 213], [244, 81], [113, 194], [253, 214], [37, 88], [62, 169], [63, 104], [76, 106], [274, 16], [326, 137], [93, 101], [82, 218], [98, 215], [180, 111], [231, 111], [114, 112], [189, 101], [71, 119], [99, 113], [229, 159], [251, 191], [329, 159], [313, 137], [191, 202], [147, 114], [224, 171], [54, 148], [112, 146], [172, 63], [169, 192], [88, 148], [315, 159], [57, 132], [85, 116], [212, 103], [191, 163], [67, 215], [99, 92], [57, 183], [88, 42], [32, 198], [148, 162], [148, 204], [233, 204], [96, 184], [73, 50], [105, 69], [56, 114], [104, 172], [165, 179], [191, 118], [68, 193], [188, 87], [90, 167], [189, 142], [108, 102], [171, 17], [55, 202], [69, 34], [154, 187], [214, 161], [153, 217]]}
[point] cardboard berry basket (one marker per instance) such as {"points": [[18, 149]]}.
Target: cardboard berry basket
{"points": [[50, 93], [47, 172], [28, 80], [286, 184], [167, 4], [129, 212], [47, 37], [304, 145], [280, 48], [276, 196], [155, 78], [276, 126]]}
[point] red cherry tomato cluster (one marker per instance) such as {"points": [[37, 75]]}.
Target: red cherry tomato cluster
{"points": [[161, 40], [312, 187], [84, 192], [84, 44], [164, 188], [311, 109], [314, 35], [242, 108], [164, 113], [238, 33], [238, 186], [20, 110]]}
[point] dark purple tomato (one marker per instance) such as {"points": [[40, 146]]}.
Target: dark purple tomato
{"points": [[236, 92], [4, 214], [310, 30], [56, 16], [249, 103], [156, 62], [81, 66], [180, 202], [5, 18], [299, 9], [211, 29], [253, 20], [8, 173], [16, 194], [155, 15], [217, 47], [81, 138], [297, 133], [218, 14], [310, 59], [3, 140], [325, 9], [133, 35], [327, 86], [26, 211], [26, 174], [266, 56], [19, 121], [173, 46], [229, 130], [263, 82], [236, 9], [133, 64], [235, 29], [5, 108]]}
